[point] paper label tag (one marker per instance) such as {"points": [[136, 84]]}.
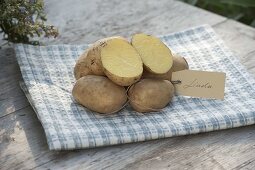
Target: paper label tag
{"points": [[199, 83]]}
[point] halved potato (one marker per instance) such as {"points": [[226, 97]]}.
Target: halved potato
{"points": [[121, 62], [156, 56], [179, 63]]}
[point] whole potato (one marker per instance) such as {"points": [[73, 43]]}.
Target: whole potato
{"points": [[99, 94], [150, 95], [179, 63]]}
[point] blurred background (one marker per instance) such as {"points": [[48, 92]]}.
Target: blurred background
{"points": [[239, 10]]}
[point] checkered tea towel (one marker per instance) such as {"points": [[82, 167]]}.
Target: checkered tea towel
{"points": [[48, 80]]}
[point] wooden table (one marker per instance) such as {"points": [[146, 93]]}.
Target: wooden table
{"points": [[22, 139]]}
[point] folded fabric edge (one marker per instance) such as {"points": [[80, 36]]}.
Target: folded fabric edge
{"points": [[25, 90], [28, 96]]}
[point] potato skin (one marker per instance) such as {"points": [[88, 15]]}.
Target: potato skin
{"points": [[166, 76], [179, 63], [89, 63], [99, 94], [150, 95]]}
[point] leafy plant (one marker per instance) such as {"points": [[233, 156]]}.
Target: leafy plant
{"points": [[240, 10], [22, 20]]}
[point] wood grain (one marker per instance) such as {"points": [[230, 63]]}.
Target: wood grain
{"points": [[240, 39], [11, 96], [22, 141], [82, 21]]}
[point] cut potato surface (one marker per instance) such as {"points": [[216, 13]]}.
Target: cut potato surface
{"points": [[121, 62], [156, 56], [179, 63]]}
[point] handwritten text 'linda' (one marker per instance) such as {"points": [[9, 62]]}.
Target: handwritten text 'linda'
{"points": [[196, 84]]}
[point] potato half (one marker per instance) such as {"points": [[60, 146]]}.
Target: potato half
{"points": [[156, 56], [150, 95], [121, 62], [99, 94], [179, 63]]}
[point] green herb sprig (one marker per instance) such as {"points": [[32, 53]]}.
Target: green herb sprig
{"points": [[22, 20]]}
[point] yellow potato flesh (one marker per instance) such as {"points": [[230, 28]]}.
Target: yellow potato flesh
{"points": [[155, 55], [121, 59]]}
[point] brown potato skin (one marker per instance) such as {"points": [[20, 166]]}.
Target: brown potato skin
{"points": [[99, 94], [89, 63], [150, 95], [179, 63], [166, 76]]}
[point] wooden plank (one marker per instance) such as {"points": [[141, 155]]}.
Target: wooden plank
{"points": [[11, 105], [240, 39], [11, 96], [82, 21], [22, 140], [217, 150]]}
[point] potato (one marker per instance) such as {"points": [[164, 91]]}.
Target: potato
{"points": [[150, 95], [121, 62], [179, 63], [166, 76], [156, 56], [99, 94], [89, 63]]}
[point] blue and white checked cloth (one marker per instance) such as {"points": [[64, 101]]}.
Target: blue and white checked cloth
{"points": [[48, 80]]}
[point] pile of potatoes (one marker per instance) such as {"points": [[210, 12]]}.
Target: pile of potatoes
{"points": [[114, 71]]}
